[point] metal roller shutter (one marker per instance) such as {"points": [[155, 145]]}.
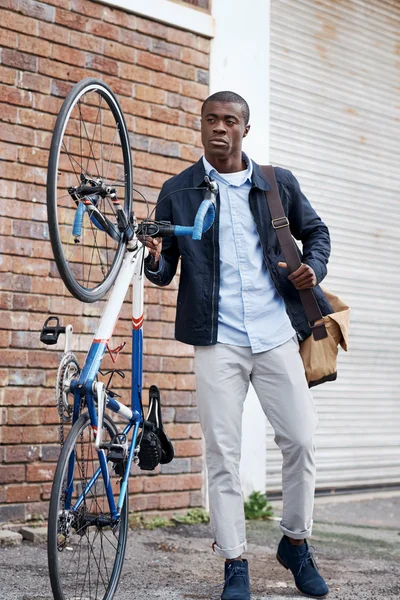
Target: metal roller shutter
{"points": [[335, 122]]}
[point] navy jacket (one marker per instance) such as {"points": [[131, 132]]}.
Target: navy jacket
{"points": [[197, 306]]}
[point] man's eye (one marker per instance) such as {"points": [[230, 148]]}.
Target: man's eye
{"points": [[210, 120], [229, 122]]}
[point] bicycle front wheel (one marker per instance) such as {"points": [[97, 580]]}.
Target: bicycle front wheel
{"points": [[85, 550], [89, 179]]}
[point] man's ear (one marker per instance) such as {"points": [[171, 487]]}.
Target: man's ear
{"points": [[246, 130]]}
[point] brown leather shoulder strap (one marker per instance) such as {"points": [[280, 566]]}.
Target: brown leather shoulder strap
{"points": [[281, 224]]}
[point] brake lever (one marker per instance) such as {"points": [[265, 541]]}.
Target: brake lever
{"points": [[212, 188]]}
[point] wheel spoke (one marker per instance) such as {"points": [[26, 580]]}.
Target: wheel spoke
{"points": [[93, 566]]}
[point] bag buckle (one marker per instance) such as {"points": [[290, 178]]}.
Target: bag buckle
{"points": [[284, 222]]}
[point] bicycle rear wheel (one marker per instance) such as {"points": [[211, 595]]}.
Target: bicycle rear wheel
{"points": [[89, 179], [85, 556]]}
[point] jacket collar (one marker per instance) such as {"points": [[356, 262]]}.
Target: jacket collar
{"points": [[257, 177]]}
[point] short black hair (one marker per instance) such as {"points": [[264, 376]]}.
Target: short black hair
{"points": [[228, 96]]}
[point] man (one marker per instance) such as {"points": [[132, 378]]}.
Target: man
{"points": [[241, 310]]}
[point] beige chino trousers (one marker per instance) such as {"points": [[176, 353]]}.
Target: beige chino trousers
{"points": [[223, 373]]}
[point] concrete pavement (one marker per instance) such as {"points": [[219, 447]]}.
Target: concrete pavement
{"points": [[358, 552]]}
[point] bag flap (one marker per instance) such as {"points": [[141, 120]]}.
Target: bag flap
{"points": [[342, 318]]}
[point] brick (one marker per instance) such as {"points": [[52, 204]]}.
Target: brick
{"points": [[26, 377], [20, 454], [36, 510], [165, 148], [23, 493], [38, 434], [50, 453], [33, 81], [19, 60], [8, 38], [54, 33], [3, 378], [134, 73], [203, 77], [188, 448], [13, 358], [194, 57], [8, 114], [33, 156], [152, 28], [191, 121], [37, 10], [150, 94], [181, 70], [9, 538], [91, 9], [178, 465], [186, 415], [165, 81], [164, 114], [150, 128], [16, 22], [177, 431], [196, 499], [36, 535], [35, 119], [197, 465], [70, 19], [187, 104], [174, 500], [37, 231], [151, 61], [176, 398], [83, 41], [99, 63], [11, 95], [192, 154], [166, 49], [159, 163], [183, 38], [5, 336], [203, 44], [34, 45], [11, 473], [177, 365], [26, 416], [40, 472], [10, 435], [60, 88], [185, 382], [67, 55], [194, 90], [5, 265], [103, 30], [119, 51], [135, 39]]}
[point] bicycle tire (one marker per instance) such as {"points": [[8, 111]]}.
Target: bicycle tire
{"points": [[66, 135], [62, 561]]}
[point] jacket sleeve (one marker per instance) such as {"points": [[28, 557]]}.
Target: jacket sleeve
{"points": [[307, 227], [170, 251]]}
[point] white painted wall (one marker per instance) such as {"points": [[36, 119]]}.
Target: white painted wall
{"points": [[240, 62]]}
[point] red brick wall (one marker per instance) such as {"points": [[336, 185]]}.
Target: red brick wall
{"points": [[160, 75]]}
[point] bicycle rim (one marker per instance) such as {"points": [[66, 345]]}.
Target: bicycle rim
{"points": [[85, 559], [90, 148]]}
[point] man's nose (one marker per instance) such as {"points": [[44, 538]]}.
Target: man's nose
{"points": [[219, 127]]}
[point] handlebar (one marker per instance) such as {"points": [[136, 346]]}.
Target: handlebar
{"points": [[203, 221]]}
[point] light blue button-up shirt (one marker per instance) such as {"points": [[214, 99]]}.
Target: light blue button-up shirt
{"points": [[251, 312]]}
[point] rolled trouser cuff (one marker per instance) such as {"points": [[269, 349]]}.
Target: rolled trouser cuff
{"points": [[296, 535], [230, 552]]}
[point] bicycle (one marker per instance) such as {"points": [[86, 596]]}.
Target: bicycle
{"points": [[96, 245]]}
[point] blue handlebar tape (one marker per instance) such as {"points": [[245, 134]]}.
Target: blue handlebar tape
{"points": [[180, 230], [77, 227], [204, 219]]}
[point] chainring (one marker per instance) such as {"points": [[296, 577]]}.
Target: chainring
{"points": [[68, 370]]}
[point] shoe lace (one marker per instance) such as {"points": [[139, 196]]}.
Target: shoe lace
{"points": [[306, 557], [233, 571]]}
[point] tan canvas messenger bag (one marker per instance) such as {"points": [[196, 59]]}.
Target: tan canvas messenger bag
{"points": [[319, 351]]}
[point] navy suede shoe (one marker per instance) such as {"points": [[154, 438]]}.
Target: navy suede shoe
{"points": [[237, 581], [300, 561]]}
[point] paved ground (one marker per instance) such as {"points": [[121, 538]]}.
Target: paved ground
{"points": [[357, 538]]}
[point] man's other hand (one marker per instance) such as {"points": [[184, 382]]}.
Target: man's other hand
{"points": [[154, 245], [303, 278]]}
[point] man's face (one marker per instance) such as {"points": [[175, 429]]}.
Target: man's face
{"points": [[222, 129]]}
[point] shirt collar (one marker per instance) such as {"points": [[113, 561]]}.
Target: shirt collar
{"points": [[247, 175]]}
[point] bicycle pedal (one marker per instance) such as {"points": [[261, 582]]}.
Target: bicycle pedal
{"points": [[117, 453], [50, 333]]}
